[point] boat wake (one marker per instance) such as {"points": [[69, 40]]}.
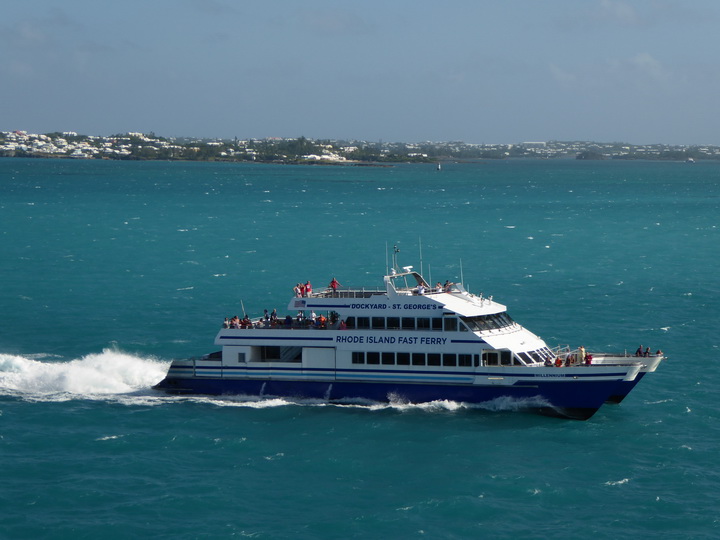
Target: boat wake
{"points": [[95, 376]]}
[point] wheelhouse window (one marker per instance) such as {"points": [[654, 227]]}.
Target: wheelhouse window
{"points": [[525, 357], [488, 322]]}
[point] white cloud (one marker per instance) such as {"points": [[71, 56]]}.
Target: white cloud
{"points": [[618, 11], [650, 66], [562, 76]]}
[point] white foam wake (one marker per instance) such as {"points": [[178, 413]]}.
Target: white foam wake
{"points": [[108, 373]]}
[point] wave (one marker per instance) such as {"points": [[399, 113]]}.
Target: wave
{"points": [[110, 373]]}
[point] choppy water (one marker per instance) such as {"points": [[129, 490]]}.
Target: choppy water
{"points": [[109, 270]]}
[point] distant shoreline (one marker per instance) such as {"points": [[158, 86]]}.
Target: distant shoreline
{"points": [[149, 147]]}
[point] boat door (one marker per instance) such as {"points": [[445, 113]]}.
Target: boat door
{"points": [[488, 370], [234, 365]]}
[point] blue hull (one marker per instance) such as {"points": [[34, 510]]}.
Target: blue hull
{"points": [[623, 389], [554, 398]]}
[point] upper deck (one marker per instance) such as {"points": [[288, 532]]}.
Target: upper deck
{"points": [[448, 298]]}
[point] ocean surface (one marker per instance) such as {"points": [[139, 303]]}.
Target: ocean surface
{"points": [[110, 269]]}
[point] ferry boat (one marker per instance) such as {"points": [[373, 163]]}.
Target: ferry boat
{"points": [[407, 341]]}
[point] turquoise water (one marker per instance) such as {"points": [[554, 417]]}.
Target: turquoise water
{"points": [[109, 270]]}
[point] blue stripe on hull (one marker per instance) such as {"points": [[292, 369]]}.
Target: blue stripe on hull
{"points": [[558, 398]]}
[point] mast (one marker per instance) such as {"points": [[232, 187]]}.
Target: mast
{"points": [[421, 260]]}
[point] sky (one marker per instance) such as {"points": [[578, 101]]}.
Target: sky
{"points": [[478, 71]]}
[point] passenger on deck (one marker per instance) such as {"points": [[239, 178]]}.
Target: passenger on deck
{"points": [[308, 288], [438, 287], [296, 290], [343, 326], [288, 321], [313, 316], [448, 285], [334, 284], [421, 289], [273, 316], [639, 351], [647, 352], [321, 321], [581, 354], [302, 289], [226, 324]]}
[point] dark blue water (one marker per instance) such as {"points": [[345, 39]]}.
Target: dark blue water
{"points": [[109, 270]]}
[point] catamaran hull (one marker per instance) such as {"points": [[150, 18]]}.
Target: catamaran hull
{"points": [[623, 389], [552, 398]]}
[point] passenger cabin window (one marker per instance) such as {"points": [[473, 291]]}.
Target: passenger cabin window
{"points": [[498, 358], [450, 324], [408, 323], [433, 359], [418, 359], [388, 358], [363, 322], [358, 357], [449, 359], [373, 357], [403, 359], [505, 358]]}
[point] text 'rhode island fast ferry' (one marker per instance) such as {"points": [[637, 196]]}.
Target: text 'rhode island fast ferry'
{"points": [[406, 342]]}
